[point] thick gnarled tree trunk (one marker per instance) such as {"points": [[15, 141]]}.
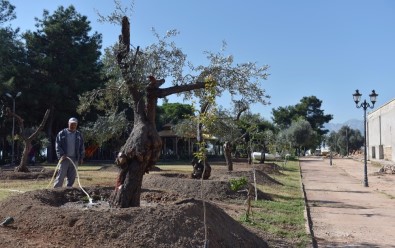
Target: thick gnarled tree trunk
{"points": [[140, 152], [228, 155], [228, 144]]}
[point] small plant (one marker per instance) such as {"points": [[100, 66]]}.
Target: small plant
{"points": [[237, 183]]}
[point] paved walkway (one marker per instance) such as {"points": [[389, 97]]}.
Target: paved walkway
{"points": [[342, 211]]}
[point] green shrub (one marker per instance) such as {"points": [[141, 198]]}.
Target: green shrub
{"points": [[237, 183]]}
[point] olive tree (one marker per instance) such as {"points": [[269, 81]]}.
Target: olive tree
{"points": [[140, 82], [301, 134], [27, 135]]}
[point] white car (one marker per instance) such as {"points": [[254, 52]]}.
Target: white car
{"points": [[268, 156]]}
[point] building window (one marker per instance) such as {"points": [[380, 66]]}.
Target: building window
{"points": [[373, 152], [381, 152]]}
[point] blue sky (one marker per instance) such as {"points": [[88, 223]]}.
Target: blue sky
{"points": [[313, 47]]}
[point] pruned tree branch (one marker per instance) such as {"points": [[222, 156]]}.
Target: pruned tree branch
{"points": [[179, 88], [41, 126]]}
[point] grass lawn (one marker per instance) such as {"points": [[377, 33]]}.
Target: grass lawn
{"points": [[284, 216]]}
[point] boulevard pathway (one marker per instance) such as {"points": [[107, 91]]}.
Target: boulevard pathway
{"points": [[343, 212]]}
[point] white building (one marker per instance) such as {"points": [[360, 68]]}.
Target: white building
{"points": [[381, 133]]}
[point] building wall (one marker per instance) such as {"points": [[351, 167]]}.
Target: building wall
{"points": [[381, 132]]}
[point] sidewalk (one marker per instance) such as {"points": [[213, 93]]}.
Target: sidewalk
{"points": [[342, 211]]}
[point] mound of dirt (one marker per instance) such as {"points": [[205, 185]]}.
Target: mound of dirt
{"points": [[269, 168], [113, 167], [260, 176], [186, 187], [41, 221], [36, 172], [171, 213]]}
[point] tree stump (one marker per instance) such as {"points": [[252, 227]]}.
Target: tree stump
{"points": [[200, 169]]}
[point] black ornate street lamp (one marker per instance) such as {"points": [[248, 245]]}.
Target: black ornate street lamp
{"points": [[13, 123], [365, 105]]}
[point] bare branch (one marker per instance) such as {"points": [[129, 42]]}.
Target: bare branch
{"points": [[116, 16], [41, 126], [19, 119]]}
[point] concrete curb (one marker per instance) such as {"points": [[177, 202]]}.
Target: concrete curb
{"points": [[307, 216]]}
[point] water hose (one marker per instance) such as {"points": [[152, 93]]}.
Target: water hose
{"points": [[78, 177], [54, 173]]}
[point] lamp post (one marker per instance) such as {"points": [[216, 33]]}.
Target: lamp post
{"points": [[365, 105], [13, 123]]}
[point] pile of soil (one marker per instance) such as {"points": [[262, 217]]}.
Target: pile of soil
{"points": [[36, 172], [185, 187], [171, 215]]}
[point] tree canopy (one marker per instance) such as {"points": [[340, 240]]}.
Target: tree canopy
{"points": [[7, 11], [64, 61], [345, 141], [11, 49], [173, 113], [309, 109]]}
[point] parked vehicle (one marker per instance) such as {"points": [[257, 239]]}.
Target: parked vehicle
{"points": [[268, 156]]}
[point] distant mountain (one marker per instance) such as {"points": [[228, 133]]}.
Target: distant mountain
{"points": [[354, 124]]}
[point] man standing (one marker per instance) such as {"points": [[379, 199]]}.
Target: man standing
{"points": [[69, 145]]}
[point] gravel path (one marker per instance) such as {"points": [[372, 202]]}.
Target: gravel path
{"points": [[343, 212]]}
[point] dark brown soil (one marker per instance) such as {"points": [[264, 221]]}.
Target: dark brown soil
{"points": [[171, 214], [36, 172]]}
